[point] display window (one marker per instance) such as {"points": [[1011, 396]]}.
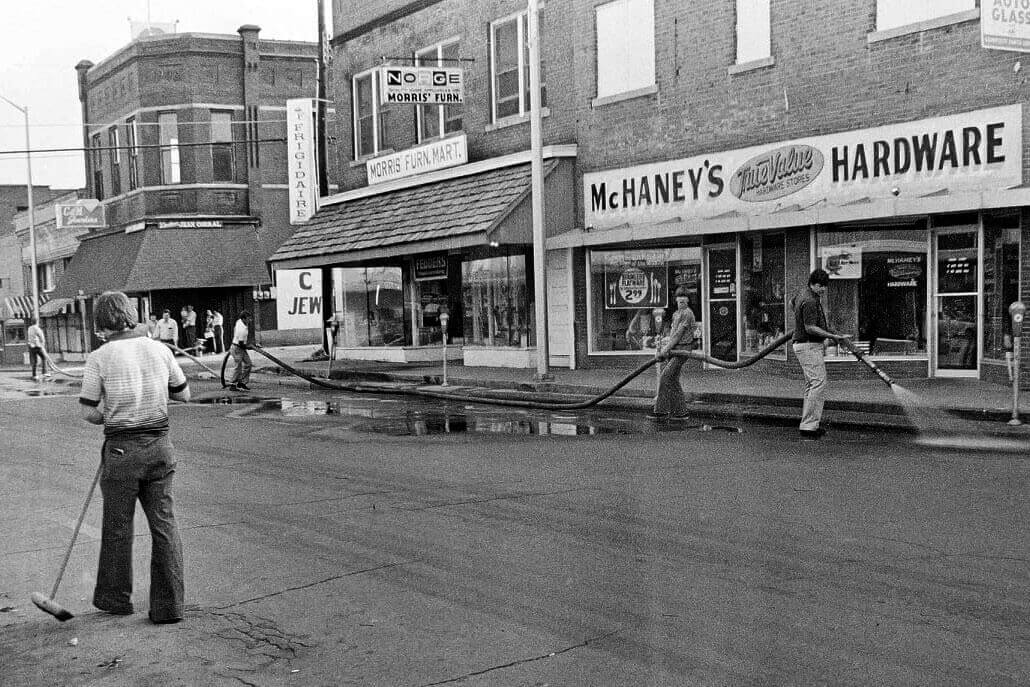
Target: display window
{"points": [[878, 288], [631, 298], [1001, 282], [496, 303], [370, 304], [763, 261]]}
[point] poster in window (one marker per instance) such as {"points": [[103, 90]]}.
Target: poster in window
{"points": [[842, 262], [688, 276], [723, 330], [957, 274], [722, 273], [905, 271], [638, 285]]}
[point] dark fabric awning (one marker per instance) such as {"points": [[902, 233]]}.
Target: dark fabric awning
{"points": [[452, 213], [159, 259], [20, 307]]}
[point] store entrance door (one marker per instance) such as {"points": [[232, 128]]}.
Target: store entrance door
{"points": [[721, 302], [956, 303]]}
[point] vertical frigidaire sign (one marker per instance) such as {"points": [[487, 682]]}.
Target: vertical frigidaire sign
{"points": [[300, 147]]}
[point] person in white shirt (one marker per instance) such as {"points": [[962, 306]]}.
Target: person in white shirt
{"points": [[216, 327], [168, 329], [238, 350], [37, 348]]}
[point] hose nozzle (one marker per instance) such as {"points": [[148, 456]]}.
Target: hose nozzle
{"points": [[869, 363]]}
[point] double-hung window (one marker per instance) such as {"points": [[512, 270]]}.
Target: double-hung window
{"points": [[625, 47], [223, 160], [753, 31], [113, 142], [371, 117], [891, 14], [436, 121], [168, 127], [509, 67], [132, 141], [98, 167]]}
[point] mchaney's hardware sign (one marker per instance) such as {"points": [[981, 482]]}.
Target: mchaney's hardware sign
{"points": [[971, 151]]}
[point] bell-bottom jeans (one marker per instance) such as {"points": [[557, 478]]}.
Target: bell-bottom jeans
{"points": [[811, 356]]}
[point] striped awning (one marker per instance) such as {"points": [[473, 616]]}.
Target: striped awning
{"points": [[20, 307]]}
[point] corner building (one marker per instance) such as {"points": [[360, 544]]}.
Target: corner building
{"points": [[733, 148], [185, 148]]}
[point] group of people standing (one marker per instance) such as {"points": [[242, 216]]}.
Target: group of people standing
{"points": [[167, 330]]}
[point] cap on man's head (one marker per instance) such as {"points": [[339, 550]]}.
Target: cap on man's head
{"points": [[820, 277], [682, 291]]}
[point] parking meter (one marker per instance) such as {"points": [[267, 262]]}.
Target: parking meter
{"points": [[444, 319], [1016, 311]]}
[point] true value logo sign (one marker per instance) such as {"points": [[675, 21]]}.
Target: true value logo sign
{"points": [[973, 151]]}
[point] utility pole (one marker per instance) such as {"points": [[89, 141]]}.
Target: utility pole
{"points": [[320, 124], [537, 192], [32, 209]]}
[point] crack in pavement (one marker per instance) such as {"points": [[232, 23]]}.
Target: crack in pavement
{"points": [[314, 584], [523, 661], [335, 498], [61, 547], [505, 497]]}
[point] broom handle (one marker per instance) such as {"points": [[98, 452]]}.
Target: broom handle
{"points": [[75, 534]]}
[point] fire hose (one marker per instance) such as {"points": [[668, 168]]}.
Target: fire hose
{"points": [[360, 387]]}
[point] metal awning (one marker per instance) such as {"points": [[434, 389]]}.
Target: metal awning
{"points": [[469, 210], [161, 259]]}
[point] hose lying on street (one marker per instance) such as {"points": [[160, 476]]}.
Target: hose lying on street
{"points": [[53, 365], [359, 387]]}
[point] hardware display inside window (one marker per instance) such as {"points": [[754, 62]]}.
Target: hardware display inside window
{"points": [[496, 303], [370, 301]]}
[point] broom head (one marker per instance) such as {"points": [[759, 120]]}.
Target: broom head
{"points": [[50, 606]]}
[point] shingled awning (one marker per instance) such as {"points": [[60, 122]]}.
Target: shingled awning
{"points": [[469, 210], [156, 259]]}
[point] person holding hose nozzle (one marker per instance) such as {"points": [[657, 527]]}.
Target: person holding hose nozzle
{"points": [[669, 399], [240, 338], [810, 334], [126, 385]]}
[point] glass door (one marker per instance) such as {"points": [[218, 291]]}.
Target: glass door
{"points": [[722, 336], [957, 303]]}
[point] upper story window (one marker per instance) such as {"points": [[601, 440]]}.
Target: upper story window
{"points": [[115, 155], [223, 159], [132, 143], [168, 126], [371, 117], [98, 167], [625, 46], [891, 14], [509, 67], [753, 31], [435, 121], [47, 276]]}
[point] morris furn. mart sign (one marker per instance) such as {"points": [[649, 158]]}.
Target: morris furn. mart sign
{"points": [[970, 151]]}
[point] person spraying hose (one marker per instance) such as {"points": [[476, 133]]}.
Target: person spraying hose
{"points": [[126, 385], [810, 334], [669, 399]]}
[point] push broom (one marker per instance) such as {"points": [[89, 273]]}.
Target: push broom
{"points": [[47, 604]]}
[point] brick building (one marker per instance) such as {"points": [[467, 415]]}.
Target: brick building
{"points": [[728, 148], [185, 148]]}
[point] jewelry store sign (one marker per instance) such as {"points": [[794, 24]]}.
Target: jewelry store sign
{"points": [[1005, 25], [972, 151], [448, 152]]}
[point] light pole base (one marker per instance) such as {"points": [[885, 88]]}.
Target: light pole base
{"points": [[1015, 422], [545, 377]]}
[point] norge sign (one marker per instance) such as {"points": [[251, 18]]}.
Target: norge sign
{"points": [[970, 151]]}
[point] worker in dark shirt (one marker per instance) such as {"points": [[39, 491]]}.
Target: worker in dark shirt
{"points": [[810, 334]]}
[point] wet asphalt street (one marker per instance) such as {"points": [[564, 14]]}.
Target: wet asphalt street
{"points": [[337, 539]]}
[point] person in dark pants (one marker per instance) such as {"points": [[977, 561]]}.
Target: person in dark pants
{"points": [[241, 338], [670, 399], [126, 385], [810, 334]]}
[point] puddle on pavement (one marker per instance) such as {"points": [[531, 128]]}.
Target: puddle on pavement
{"points": [[395, 417], [45, 392]]}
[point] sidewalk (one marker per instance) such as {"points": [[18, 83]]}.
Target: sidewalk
{"points": [[926, 405]]}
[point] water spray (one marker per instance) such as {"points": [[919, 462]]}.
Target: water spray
{"points": [[869, 363]]}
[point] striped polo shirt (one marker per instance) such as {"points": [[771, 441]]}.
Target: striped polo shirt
{"points": [[132, 375]]}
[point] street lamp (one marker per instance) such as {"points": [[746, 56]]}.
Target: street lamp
{"points": [[32, 209]]}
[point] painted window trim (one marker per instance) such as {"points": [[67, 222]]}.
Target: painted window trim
{"points": [[750, 64], [521, 31], [626, 95], [925, 25], [515, 120], [744, 67], [438, 47], [373, 75], [601, 100]]}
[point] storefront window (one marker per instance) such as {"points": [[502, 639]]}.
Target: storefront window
{"points": [[877, 288], [370, 302], [496, 305], [631, 295], [762, 261], [1001, 282]]}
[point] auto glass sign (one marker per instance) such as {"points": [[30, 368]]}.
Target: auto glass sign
{"points": [[422, 85], [1005, 25]]}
